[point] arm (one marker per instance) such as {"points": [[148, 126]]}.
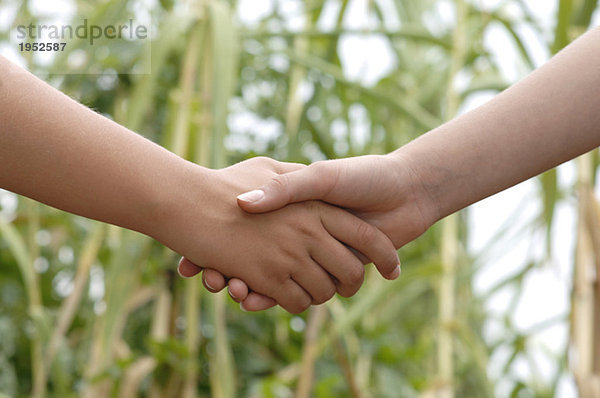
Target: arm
{"points": [[548, 118], [551, 116], [59, 152]]}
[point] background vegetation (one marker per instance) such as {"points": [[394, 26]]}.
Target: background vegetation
{"points": [[91, 310]]}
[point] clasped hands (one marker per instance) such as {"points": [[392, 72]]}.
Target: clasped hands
{"points": [[320, 225]]}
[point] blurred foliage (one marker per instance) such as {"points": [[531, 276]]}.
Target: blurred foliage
{"points": [[95, 311]]}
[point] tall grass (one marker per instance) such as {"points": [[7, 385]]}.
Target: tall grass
{"points": [[153, 334]]}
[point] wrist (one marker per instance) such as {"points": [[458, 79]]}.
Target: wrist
{"points": [[422, 183], [186, 189]]}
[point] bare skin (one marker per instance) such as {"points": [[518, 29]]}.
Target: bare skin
{"points": [[549, 117], [59, 152]]}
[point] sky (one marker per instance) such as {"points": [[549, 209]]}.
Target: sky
{"points": [[546, 288], [367, 60]]}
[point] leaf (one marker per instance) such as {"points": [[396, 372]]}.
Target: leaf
{"points": [[410, 108], [140, 101], [585, 13], [224, 43], [561, 32], [518, 42], [18, 248]]}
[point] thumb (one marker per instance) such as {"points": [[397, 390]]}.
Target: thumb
{"points": [[305, 184]]}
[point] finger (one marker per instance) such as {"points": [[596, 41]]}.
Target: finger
{"points": [[238, 290], [292, 297], [187, 269], [213, 280], [312, 182], [257, 302], [288, 167], [364, 238], [363, 259], [338, 261], [317, 282]]}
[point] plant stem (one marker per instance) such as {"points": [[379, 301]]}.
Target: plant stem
{"points": [[582, 327], [316, 317], [450, 239]]}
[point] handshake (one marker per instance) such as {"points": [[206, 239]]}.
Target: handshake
{"points": [[319, 225]]}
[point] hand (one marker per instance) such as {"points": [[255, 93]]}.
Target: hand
{"points": [[290, 255], [382, 190]]}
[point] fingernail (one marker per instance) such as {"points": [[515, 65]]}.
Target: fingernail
{"points": [[208, 285], [242, 307], [394, 275], [180, 274], [231, 294], [252, 196]]}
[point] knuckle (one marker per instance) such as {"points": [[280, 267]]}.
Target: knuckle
{"points": [[305, 230], [321, 168], [355, 276], [307, 218], [318, 168], [313, 206], [280, 181], [306, 304], [325, 295], [366, 234], [276, 283], [293, 257], [280, 280], [330, 293], [346, 291], [294, 310], [301, 305], [261, 160], [325, 176]]}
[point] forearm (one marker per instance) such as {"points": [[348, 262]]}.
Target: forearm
{"points": [[59, 152], [549, 117]]}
